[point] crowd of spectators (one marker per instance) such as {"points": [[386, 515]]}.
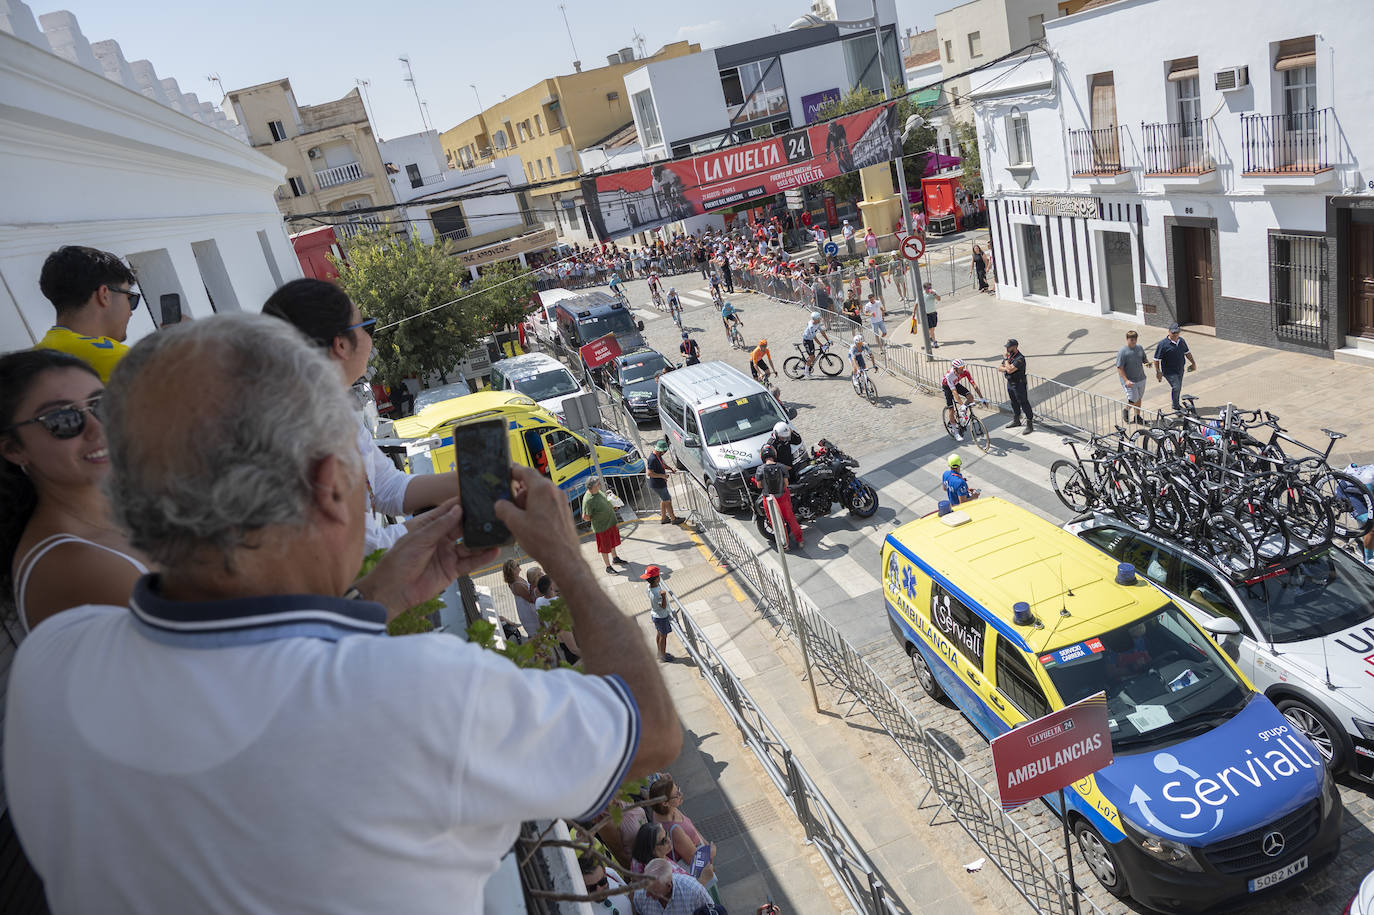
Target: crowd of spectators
{"points": [[206, 712]]}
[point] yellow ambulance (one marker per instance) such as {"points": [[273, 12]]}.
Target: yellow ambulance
{"points": [[1011, 618]]}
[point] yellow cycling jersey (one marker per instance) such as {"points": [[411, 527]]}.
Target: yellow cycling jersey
{"points": [[100, 353]]}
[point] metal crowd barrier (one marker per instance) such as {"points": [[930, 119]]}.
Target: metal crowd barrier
{"points": [[1033, 872], [852, 868]]}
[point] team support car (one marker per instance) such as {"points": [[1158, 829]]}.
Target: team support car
{"points": [[634, 378], [1212, 798], [1302, 630]]}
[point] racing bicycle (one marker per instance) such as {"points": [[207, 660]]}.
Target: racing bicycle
{"points": [[965, 420], [863, 385], [658, 298], [734, 332], [826, 361]]}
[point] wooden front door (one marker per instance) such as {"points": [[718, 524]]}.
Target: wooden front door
{"points": [[1361, 289], [1196, 270]]}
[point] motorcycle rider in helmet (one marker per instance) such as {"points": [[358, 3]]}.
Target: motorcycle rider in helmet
{"points": [[772, 479], [782, 441]]}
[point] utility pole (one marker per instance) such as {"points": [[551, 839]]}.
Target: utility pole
{"points": [[901, 189], [577, 61], [367, 104], [410, 78]]}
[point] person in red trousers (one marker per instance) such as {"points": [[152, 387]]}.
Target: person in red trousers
{"points": [[772, 479]]}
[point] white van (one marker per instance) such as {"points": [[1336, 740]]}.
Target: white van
{"points": [[541, 322], [538, 376], [716, 418]]}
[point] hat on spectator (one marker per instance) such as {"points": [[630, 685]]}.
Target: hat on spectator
{"points": [[661, 445], [1174, 328], [1010, 343], [651, 572]]}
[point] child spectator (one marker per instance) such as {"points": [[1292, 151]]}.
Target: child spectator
{"points": [[658, 610]]}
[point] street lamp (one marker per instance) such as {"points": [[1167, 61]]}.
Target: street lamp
{"points": [[811, 20]]}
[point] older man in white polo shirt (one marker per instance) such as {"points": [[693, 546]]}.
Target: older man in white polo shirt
{"points": [[244, 736]]}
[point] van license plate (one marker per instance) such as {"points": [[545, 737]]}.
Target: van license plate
{"points": [[1278, 876]]}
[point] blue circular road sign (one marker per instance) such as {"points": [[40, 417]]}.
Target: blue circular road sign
{"points": [[832, 248]]}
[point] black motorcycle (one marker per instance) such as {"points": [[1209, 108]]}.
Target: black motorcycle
{"points": [[828, 478]]}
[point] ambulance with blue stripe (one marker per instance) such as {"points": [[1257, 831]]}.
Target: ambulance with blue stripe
{"points": [[1213, 797], [537, 439]]}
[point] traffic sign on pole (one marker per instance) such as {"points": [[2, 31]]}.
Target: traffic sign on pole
{"points": [[913, 246], [831, 248]]}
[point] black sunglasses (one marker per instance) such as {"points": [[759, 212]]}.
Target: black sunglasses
{"points": [[134, 297], [65, 422], [600, 884]]}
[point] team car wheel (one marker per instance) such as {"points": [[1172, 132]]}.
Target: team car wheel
{"points": [[921, 670], [1101, 859], [714, 496], [1318, 728]]}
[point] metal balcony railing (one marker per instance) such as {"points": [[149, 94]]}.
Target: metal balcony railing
{"points": [[1096, 152], [361, 224], [455, 234], [1296, 144], [1180, 148], [339, 174]]}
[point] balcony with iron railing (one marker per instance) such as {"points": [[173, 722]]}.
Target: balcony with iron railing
{"points": [[1096, 154], [1179, 153], [1289, 146], [339, 174]]}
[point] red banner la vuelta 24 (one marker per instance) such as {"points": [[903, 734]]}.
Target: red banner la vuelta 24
{"points": [[644, 198], [1049, 753]]}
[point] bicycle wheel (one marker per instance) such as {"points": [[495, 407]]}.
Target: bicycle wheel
{"points": [[1226, 543], [952, 427], [830, 364], [1306, 515], [1171, 517], [1351, 504], [979, 433], [870, 391], [794, 367], [1263, 524], [1071, 486], [1128, 498]]}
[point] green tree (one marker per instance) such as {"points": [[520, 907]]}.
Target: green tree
{"points": [[972, 158], [393, 280], [918, 145], [503, 294]]}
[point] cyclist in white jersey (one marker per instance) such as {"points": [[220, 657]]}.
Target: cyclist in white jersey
{"points": [[809, 334], [952, 384]]}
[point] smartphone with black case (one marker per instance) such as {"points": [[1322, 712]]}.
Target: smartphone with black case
{"points": [[483, 457], [171, 309]]}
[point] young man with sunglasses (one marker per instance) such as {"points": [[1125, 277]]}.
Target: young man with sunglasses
{"points": [[325, 314], [93, 295]]}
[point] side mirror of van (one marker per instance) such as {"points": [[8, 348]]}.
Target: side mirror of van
{"points": [[691, 441], [639, 324], [1221, 626]]}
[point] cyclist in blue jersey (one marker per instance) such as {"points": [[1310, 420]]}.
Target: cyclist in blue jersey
{"points": [[617, 287], [956, 484], [727, 315], [809, 334], [674, 304], [857, 352]]}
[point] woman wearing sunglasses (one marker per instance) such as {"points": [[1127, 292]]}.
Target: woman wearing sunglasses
{"points": [[59, 546]]}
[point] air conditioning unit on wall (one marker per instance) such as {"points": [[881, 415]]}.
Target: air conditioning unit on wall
{"points": [[314, 152], [1232, 78]]}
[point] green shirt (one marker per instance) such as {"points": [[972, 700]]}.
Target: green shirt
{"points": [[598, 509]]}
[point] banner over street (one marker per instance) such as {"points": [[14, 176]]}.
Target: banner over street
{"points": [[655, 195]]}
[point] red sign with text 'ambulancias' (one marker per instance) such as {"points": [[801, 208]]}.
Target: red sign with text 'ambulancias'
{"points": [[1050, 753], [600, 351]]}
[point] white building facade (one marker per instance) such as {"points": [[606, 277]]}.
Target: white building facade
{"points": [[1215, 177], [87, 160]]}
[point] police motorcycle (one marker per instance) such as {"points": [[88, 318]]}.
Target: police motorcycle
{"points": [[815, 488]]}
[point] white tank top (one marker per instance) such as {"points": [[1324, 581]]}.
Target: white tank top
{"points": [[38, 551]]}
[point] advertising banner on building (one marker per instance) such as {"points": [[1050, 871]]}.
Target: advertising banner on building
{"points": [[1052, 752], [646, 198]]}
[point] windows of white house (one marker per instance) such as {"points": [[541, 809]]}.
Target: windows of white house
{"points": [[647, 116], [1186, 95], [975, 44], [949, 50], [1018, 139]]}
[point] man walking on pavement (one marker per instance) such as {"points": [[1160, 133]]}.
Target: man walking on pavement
{"points": [[848, 232], [1014, 367], [1130, 365], [1170, 354]]}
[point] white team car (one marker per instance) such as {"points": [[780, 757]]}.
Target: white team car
{"points": [[1302, 630]]}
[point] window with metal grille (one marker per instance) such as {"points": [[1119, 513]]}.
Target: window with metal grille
{"points": [[1297, 272]]}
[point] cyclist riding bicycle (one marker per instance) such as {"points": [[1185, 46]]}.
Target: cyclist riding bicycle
{"points": [[674, 303], [729, 315], [757, 357], [857, 351], [952, 384], [956, 484], [617, 287], [812, 329]]}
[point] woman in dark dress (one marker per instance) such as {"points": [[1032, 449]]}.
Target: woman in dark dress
{"points": [[979, 268]]}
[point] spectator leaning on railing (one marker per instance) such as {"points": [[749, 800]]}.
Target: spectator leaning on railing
{"points": [[244, 735]]}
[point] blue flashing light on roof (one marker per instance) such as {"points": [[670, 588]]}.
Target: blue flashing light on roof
{"points": [[1125, 574], [1021, 614]]}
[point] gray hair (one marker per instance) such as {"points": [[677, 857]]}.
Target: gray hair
{"points": [[214, 429]]}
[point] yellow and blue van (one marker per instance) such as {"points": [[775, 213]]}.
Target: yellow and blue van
{"points": [[537, 439], [1213, 796]]}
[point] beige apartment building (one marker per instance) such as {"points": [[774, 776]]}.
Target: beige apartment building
{"points": [[546, 124], [329, 152]]}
